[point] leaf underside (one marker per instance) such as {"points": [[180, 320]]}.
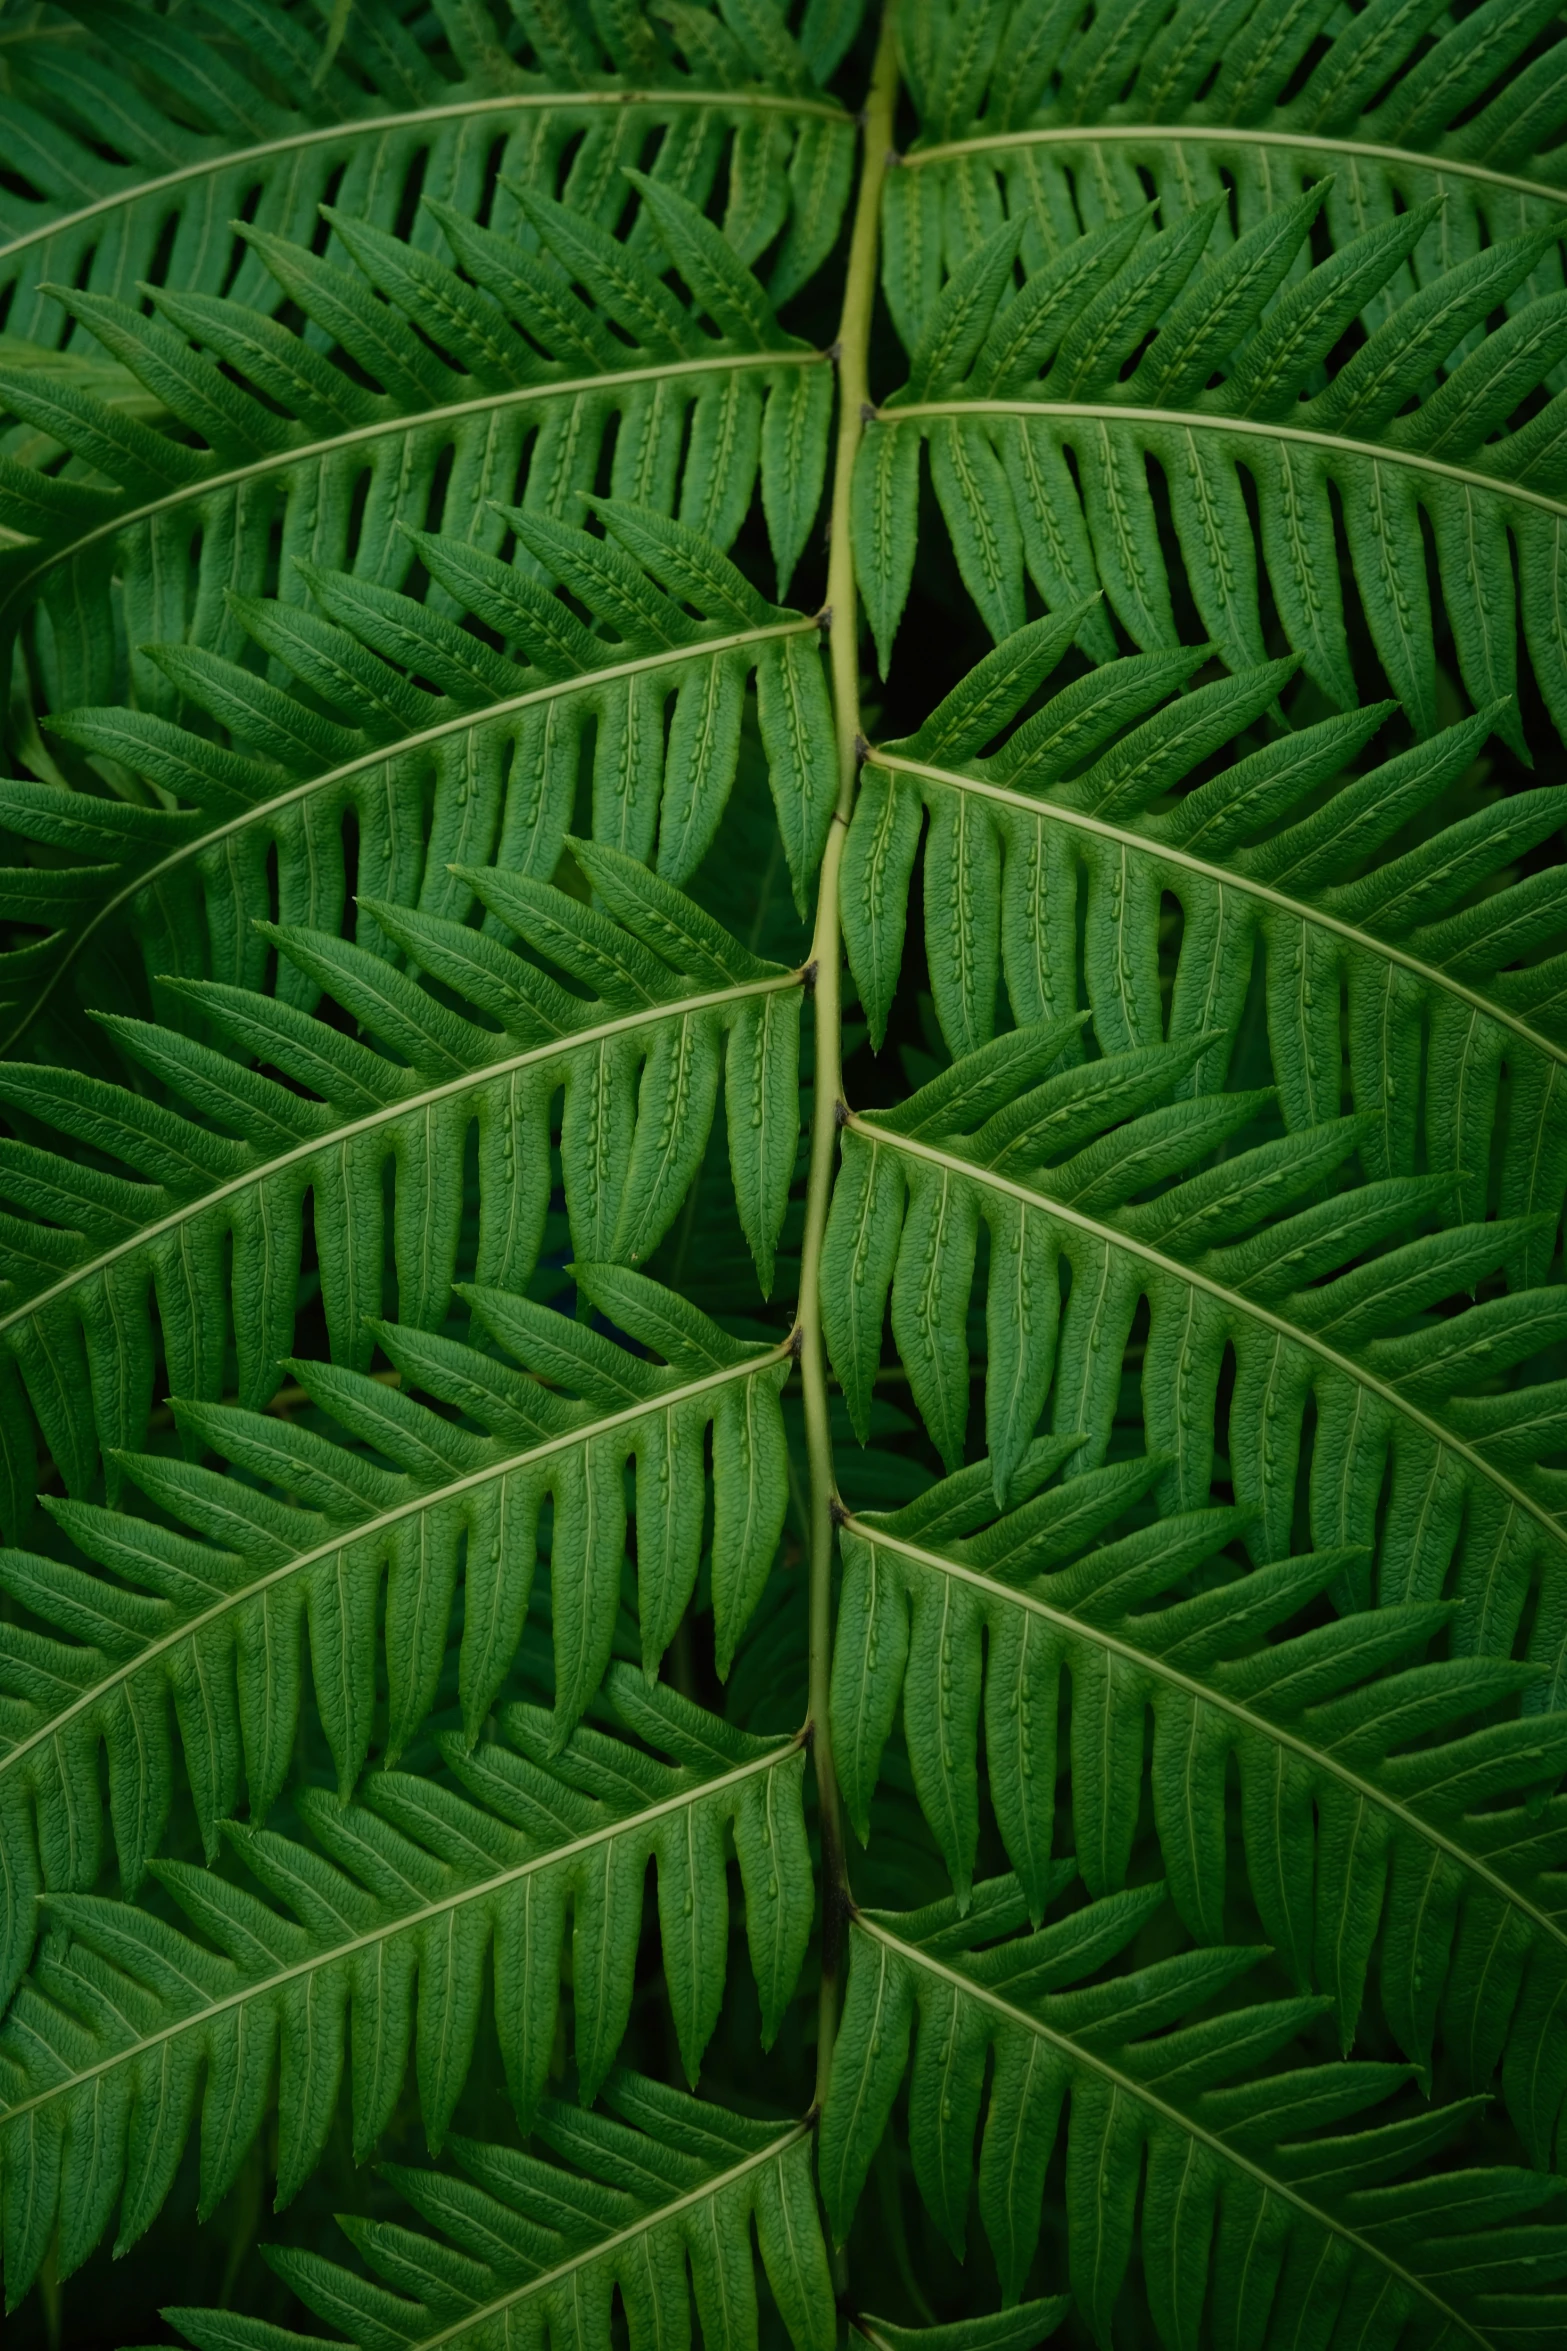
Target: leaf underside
{"points": [[439, 799]]}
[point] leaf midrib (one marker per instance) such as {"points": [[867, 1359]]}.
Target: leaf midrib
{"points": [[1229, 135], [1145, 2096], [1256, 427], [334, 1137], [1226, 877], [1234, 1301], [1203, 1694], [405, 1922], [370, 1528], [406, 421], [627, 2235], [585, 681], [361, 126]]}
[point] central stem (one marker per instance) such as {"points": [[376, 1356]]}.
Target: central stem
{"points": [[826, 955]]}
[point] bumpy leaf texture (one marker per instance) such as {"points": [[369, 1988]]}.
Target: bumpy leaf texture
{"points": [[427, 828]]}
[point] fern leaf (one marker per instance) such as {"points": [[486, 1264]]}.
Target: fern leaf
{"points": [[1076, 812], [377, 548], [297, 443], [1375, 1794], [265, 114], [1247, 1255], [1066, 126], [379, 1935], [1260, 2193], [636, 1060], [662, 2187], [361, 737], [317, 1529], [998, 445], [1018, 2329]]}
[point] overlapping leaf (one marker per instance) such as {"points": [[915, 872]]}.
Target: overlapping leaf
{"points": [[1017, 2329], [1379, 1796], [1068, 119], [409, 743], [1228, 384], [357, 1542], [1202, 307], [1321, 1297], [471, 412], [421, 739], [381, 1933], [530, 2251], [1453, 1041], [1283, 2204], [199, 1248], [143, 126]]}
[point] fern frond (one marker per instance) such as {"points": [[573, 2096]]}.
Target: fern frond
{"points": [[529, 2250], [1082, 810], [266, 122], [439, 752], [1067, 121], [1257, 2195], [407, 793], [213, 1208], [1230, 383], [317, 1531], [1377, 1797], [154, 545], [1017, 2329], [1256, 1255], [385, 1929]]}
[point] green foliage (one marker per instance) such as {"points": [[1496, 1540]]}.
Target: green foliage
{"points": [[1033, 114], [216, 1200], [1361, 1792], [401, 1904], [538, 2250], [1268, 861], [289, 435], [1230, 2183], [1245, 1260], [464, 1452], [439, 751], [216, 1625], [258, 101], [1017, 2329], [1001, 396]]}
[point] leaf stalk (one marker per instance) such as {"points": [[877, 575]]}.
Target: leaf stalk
{"points": [[827, 959]]}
